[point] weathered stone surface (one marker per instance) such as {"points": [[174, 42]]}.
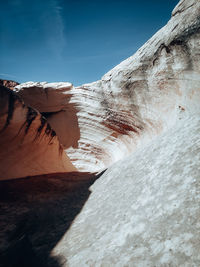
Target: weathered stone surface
{"points": [[53, 100], [138, 99], [145, 209], [28, 144], [8, 83]]}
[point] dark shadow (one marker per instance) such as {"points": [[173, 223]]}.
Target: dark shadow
{"points": [[35, 213]]}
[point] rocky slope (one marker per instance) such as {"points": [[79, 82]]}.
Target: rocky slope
{"points": [[144, 210], [28, 144], [138, 99]]}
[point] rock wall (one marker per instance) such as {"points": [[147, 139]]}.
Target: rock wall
{"points": [[28, 144], [138, 99], [145, 209], [8, 83], [53, 100]]}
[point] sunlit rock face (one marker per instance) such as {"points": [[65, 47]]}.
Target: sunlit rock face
{"points": [[144, 210], [101, 122], [28, 144], [53, 100]]}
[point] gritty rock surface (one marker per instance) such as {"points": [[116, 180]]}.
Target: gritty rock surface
{"points": [[145, 209], [35, 213]]}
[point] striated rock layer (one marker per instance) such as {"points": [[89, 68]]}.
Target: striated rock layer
{"points": [[28, 144], [144, 211], [101, 122], [53, 100]]}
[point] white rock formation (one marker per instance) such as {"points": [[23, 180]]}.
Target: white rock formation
{"points": [[28, 144], [141, 97], [145, 209]]}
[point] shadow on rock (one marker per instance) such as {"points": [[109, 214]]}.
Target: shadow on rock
{"points": [[36, 212]]}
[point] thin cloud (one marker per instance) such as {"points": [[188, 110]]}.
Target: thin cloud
{"points": [[59, 39], [8, 75]]}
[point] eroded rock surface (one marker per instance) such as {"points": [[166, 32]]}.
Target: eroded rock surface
{"points": [[145, 209], [29, 146], [8, 83], [138, 99], [53, 100]]}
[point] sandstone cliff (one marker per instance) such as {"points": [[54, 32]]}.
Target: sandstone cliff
{"points": [[138, 99], [28, 144], [144, 210], [8, 83]]}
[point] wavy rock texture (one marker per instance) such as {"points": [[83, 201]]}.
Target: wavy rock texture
{"points": [[28, 144], [53, 100], [144, 211], [138, 99]]}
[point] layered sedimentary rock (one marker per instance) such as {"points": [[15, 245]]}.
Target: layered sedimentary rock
{"points": [[29, 146], [141, 97], [8, 83], [144, 211], [53, 100]]}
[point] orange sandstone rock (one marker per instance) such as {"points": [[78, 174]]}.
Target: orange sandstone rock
{"points": [[28, 144]]}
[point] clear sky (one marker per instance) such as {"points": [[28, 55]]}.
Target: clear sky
{"points": [[74, 40]]}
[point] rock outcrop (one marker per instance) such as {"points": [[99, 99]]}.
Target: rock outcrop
{"points": [[138, 99], [53, 100], [144, 210], [8, 83], [29, 146]]}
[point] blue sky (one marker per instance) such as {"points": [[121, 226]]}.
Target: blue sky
{"points": [[76, 41]]}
